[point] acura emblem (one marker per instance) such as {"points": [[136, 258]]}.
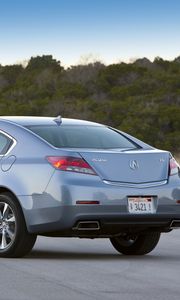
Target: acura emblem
{"points": [[134, 164]]}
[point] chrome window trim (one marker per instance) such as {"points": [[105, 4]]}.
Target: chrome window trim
{"points": [[136, 185], [13, 144]]}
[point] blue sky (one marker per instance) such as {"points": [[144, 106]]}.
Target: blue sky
{"points": [[109, 30]]}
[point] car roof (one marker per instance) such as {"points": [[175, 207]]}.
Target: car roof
{"points": [[31, 120]]}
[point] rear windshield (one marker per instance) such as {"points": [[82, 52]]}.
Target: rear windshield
{"points": [[75, 136]]}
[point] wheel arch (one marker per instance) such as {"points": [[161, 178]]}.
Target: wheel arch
{"points": [[4, 189]]}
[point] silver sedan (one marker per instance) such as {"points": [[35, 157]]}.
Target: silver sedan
{"points": [[72, 178]]}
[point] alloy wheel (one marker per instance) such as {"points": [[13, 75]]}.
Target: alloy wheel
{"points": [[7, 226]]}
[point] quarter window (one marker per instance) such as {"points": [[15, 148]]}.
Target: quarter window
{"points": [[5, 143]]}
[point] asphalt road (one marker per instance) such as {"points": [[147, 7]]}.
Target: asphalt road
{"points": [[73, 269]]}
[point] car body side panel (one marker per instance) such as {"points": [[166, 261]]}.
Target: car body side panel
{"points": [[34, 179], [29, 171]]}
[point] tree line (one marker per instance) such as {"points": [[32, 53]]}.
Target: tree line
{"points": [[141, 98]]}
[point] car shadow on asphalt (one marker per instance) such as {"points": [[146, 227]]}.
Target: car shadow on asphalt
{"points": [[62, 255], [40, 254]]}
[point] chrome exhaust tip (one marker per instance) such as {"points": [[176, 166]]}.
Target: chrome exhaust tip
{"points": [[175, 224], [87, 225]]}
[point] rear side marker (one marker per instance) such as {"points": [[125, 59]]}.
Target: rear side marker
{"points": [[87, 202]]}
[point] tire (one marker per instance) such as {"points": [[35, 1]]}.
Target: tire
{"points": [[136, 244], [15, 241]]}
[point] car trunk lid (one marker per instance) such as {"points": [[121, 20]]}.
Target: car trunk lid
{"points": [[136, 166]]}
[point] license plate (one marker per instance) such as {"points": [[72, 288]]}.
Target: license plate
{"points": [[140, 205]]}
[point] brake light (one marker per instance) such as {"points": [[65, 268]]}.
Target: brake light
{"points": [[69, 163], [173, 166]]}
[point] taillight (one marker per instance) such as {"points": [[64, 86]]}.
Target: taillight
{"points": [[69, 163], [173, 166]]}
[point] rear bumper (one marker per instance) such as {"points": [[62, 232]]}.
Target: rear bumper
{"points": [[63, 221], [56, 211]]}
